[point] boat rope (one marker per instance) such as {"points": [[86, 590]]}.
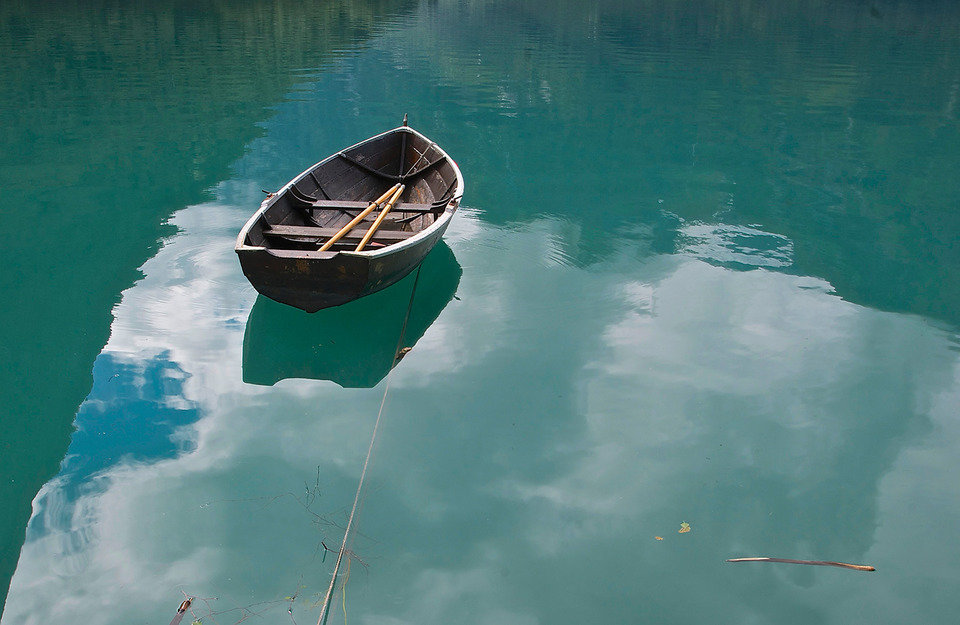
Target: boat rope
{"points": [[325, 610]]}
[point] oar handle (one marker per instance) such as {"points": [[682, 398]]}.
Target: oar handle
{"points": [[343, 231], [376, 224]]}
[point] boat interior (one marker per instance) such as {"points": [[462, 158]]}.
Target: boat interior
{"points": [[323, 200]]}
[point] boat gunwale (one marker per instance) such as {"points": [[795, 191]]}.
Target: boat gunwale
{"points": [[441, 220]]}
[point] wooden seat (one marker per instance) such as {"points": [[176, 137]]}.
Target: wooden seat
{"points": [[314, 232], [402, 207]]}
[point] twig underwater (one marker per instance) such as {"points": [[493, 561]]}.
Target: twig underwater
{"points": [[253, 610], [842, 565]]}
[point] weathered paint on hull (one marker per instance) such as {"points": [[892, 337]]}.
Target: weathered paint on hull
{"points": [[312, 284]]}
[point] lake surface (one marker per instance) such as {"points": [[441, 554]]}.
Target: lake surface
{"points": [[705, 273]]}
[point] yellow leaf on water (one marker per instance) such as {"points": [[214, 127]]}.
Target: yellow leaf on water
{"points": [[684, 528]]}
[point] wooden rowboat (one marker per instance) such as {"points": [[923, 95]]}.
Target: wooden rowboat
{"points": [[295, 248]]}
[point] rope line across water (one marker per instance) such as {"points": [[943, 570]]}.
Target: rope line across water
{"points": [[324, 612]]}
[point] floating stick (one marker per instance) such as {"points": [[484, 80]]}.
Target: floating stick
{"points": [[842, 565], [184, 606], [339, 235], [376, 224]]}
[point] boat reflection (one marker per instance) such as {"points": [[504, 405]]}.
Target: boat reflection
{"points": [[353, 344]]}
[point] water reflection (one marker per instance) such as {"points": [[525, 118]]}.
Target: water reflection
{"points": [[135, 415], [736, 246], [354, 344], [820, 123], [519, 459], [647, 331], [131, 415], [77, 82]]}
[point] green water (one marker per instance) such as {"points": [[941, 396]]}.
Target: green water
{"points": [[705, 272]]}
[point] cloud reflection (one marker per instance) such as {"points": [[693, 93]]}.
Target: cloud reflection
{"points": [[548, 424]]}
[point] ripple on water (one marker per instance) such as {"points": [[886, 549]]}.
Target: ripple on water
{"points": [[736, 246]]}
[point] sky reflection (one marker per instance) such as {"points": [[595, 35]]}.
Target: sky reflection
{"points": [[755, 405], [610, 362]]}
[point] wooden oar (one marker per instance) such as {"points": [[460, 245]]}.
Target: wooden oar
{"points": [[376, 224], [353, 222], [842, 565]]}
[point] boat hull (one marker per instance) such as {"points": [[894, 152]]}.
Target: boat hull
{"points": [[312, 284]]}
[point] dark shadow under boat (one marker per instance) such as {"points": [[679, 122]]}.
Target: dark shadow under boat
{"points": [[353, 345]]}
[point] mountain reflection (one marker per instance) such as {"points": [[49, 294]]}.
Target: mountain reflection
{"points": [[675, 305], [812, 120], [115, 115], [353, 344]]}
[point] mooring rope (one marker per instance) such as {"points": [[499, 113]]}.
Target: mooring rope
{"points": [[324, 612]]}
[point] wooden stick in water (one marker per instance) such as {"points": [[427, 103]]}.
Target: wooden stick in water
{"points": [[842, 565], [184, 606], [343, 231], [376, 224]]}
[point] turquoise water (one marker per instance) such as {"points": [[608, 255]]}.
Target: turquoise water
{"points": [[705, 272]]}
